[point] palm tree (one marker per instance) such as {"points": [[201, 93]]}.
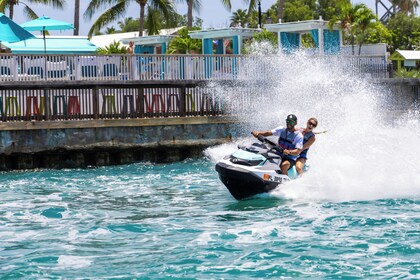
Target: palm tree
{"points": [[125, 22], [110, 30], [76, 17], [239, 17], [364, 19], [196, 4], [355, 21], [120, 8], [280, 7], [347, 20], [406, 6], [27, 11]]}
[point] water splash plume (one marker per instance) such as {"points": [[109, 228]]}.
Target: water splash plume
{"points": [[367, 153]]}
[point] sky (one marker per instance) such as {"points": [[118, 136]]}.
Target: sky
{"points": [[213, 13]]}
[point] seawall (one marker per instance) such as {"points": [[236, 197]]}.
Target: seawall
{"points": [[80, 144]]}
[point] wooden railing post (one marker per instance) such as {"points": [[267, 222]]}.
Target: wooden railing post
{"points": [[140, 102], [95, 101], [182, 99], [47, 104]]}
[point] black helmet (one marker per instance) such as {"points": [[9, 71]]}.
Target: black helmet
{"points": [[291, 118]]}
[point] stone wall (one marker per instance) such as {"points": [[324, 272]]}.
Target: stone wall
{"points": [[97, 143]]}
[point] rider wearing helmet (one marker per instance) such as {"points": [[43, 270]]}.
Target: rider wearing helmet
{"points": [[290, 139]]}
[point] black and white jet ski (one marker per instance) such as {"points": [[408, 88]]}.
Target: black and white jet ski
{"points": [[253, 169]]}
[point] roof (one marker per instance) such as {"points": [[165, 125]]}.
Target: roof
{"points": [[148, 40], [105, 40], [55, 45], [298, 26], [405, 55], [223, 33]]}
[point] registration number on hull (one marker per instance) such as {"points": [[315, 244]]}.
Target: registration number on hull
{"points": [[275, 179]]}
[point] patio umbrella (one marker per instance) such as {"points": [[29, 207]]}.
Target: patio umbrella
{"points": [[45, 23], [11, 32]]}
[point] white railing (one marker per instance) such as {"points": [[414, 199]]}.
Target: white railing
{"points": [[151, 67]]}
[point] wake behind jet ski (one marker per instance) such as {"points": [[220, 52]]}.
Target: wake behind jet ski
{"points": [[253, 169]]}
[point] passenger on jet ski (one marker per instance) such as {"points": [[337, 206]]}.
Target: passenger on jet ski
{"points": [[308, 140], [290, 139]]}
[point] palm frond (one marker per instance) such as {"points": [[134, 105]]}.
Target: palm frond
{"points": [[4, 5], [29, 13], [95, 5], [152, 23], [252, 6], [59, 4], [227, 4], [109, 16], [166, 7], [196, 5]]}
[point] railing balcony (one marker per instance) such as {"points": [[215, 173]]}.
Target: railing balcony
{"points": [[157, 67]]}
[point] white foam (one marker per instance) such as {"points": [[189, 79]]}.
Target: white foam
{"points": [[363, 156], [74, 261]]}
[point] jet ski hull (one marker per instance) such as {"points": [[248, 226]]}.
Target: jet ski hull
{"points": [[242, 183]]}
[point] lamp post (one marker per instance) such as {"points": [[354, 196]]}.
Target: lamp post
{"points": [[259, 14]]}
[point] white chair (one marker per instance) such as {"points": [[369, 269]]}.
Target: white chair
{"points": [[86, 67], [110, 67], [34, 67], [57, 70], [8, 68]]}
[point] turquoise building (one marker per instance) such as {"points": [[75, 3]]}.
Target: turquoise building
{"points": [[219, 36], [153, 44], [327, 41]]}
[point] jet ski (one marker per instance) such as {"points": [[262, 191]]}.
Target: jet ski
{"points": [[253, 169]]}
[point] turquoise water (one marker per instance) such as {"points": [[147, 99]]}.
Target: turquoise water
{"points": [[355, 214], [177, 220]]}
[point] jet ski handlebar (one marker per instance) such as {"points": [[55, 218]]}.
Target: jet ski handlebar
{"points": [[274, 145]]}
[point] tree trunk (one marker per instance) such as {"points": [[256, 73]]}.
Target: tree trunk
{"points": [[189, 14], [76, 17], [11, 10], [280, 10], [141, 27]]}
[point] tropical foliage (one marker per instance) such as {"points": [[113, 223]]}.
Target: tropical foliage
{"points": [[28, 12], [328, 9], [407, 7], [355, 21], [295, 10], [405, 32], [110, 30], [404, 73], [184, 44], [113, 48], [196, 5], [117, 9], [364, 22], [239, 18], [262, 43]]}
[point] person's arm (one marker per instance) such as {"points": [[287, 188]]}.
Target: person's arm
{"points": [[263, 133], [308, 143], [298, 146], [294, 152]]}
